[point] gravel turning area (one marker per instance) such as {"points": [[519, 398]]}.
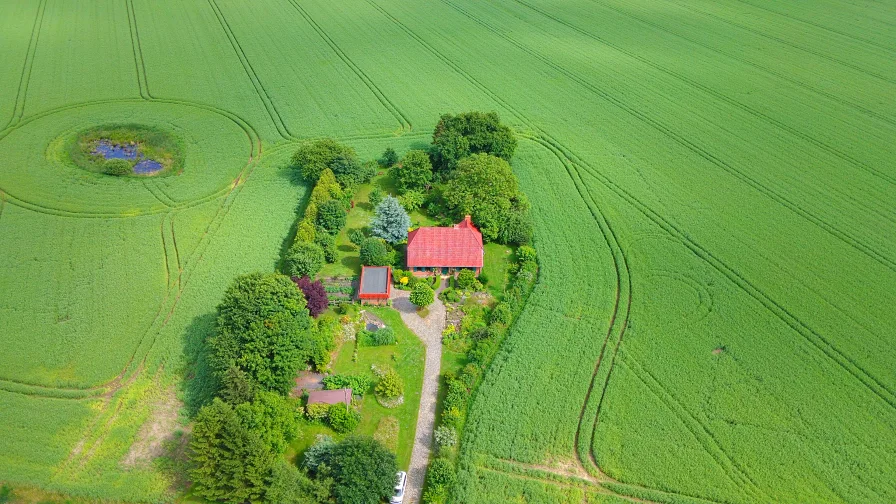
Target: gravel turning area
{"points": [[429, 330]]}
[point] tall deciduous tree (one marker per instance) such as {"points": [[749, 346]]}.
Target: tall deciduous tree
{"points": [[413, 172], [363, 470], [263, 330], [456, 137], [391, 221], [315, 156], [485, 187]]}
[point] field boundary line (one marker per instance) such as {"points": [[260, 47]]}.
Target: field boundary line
{"points": [[696, 149], [137, 49], [787, 43], [831, 96], [403, 121], [725, 98], [260, 90], [25, 78]]}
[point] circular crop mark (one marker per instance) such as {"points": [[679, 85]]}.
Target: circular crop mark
{"points": [[127, 150], [39, 172]]}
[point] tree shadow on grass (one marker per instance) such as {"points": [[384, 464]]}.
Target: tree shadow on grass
{"points": [[346, 248], [199, 384]]}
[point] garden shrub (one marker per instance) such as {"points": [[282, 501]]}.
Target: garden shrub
{"points": [[441, 473], [449, 295], [306, 232], [317, 412], [501, 314], [303, 259], [331, 216], [376, 252], [327, 243], [376, 196], [422, 295], [360, 383], [342, 418], [446, 437], [315, 156], [391, 385], [118, 167], [380, 337], [466, 279], [526, 254], [319, 453], [411, 200], [389, 158], [357, 237]]}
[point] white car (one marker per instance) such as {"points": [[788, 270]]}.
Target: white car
{"points": [[401, 481]]}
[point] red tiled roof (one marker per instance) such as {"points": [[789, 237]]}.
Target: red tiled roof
{"points": [[459, 246]]}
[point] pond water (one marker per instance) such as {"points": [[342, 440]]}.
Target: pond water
{"points": [[110, 150], [147, 167]]}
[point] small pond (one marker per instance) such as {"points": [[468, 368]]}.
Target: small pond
{"points": [[109, 150]]}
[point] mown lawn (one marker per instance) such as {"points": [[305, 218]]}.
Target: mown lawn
{"points": [[347, 261], [407, 357]]}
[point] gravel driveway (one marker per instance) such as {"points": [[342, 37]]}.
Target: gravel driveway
{"points": [[429, 330]]}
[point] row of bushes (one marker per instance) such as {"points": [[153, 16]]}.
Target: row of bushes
{"points": [[481, 332]]}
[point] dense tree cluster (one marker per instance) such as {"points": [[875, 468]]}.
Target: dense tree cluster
{"points": [[458, 136], [485, 187], [313, 157]]}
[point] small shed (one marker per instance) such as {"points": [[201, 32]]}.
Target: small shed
{"points": [[343, 395], [375, 285]]}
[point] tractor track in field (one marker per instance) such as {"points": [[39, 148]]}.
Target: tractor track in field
{"points": [[549, 474], [403, 121], [831, 96], [787, 43], [726, 99], [821, 27], [700, 431], [691, 146], [263, 95], [24, 80], [568, 483], [137, 49]]}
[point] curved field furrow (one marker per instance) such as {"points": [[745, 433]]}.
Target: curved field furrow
{"points": [[780, 40], [890, 49], [697, 149], [766, 69], [725, 98]]}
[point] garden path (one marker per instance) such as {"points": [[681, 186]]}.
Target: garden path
{"points": [[429, 330]]}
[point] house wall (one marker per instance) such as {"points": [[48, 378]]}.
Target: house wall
{"points": [[451, 271]]}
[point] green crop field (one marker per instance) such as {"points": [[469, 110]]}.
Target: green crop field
{"points": [[713, 186]]}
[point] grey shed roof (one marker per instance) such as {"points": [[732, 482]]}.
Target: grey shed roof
{"points": [[374, 280]]}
